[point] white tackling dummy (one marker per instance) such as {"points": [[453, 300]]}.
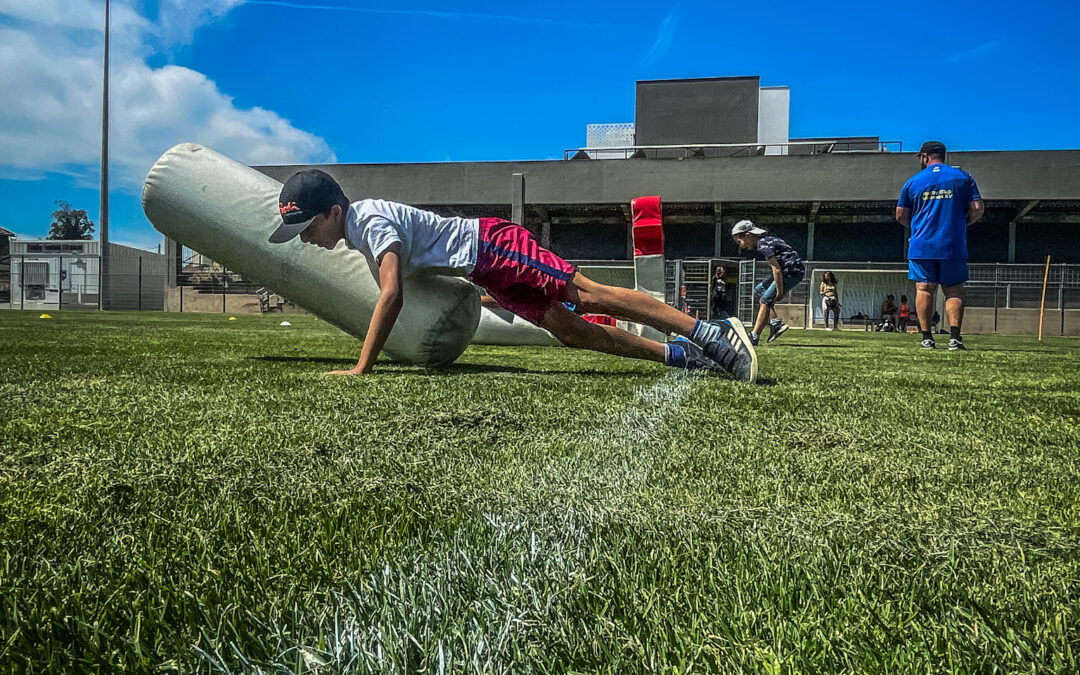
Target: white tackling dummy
{"points": [[225, 211]]}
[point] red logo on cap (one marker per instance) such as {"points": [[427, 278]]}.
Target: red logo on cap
{"points": [[287, 207]]}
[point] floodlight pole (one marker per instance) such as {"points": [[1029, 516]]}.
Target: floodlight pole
{"points": [[103, 285]]}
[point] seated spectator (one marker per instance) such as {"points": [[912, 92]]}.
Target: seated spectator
{"points": [[934, 321], [890, 314]]}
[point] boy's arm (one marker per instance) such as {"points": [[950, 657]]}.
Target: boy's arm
{"points": [[777, 275], [386, 311]]}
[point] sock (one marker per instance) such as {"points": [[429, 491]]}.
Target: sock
{"points": [[926, 335], [674, 355], [776, 322], [754, 337], [954, 332]]}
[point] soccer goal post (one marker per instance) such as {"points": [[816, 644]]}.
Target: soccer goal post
{"points": [[862, 291]]}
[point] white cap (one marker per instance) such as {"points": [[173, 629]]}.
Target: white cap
{"points": [[744, 226]]}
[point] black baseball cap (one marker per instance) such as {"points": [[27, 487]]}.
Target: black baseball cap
{"points": [[305, 195], [932, 148]]}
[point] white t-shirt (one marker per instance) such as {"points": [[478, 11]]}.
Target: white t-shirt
{"points": [[429, 242]]}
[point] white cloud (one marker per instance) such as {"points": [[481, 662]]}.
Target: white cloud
{"points": [[50, 112]]}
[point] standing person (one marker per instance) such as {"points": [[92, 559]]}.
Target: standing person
{"points": [[787, 270], [830, 299], [718, 298], [905, 314], [683, 302], [938, 204], [506, 260]]}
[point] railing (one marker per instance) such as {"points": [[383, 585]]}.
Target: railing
{"points": [[690, 150]]}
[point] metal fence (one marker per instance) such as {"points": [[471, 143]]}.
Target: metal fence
{"points": [[997, 286]]}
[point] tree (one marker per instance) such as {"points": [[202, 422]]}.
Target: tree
{"points": [[69, 223]]}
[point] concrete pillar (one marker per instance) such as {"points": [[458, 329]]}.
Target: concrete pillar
{"points": [[1012, 241], [517, 200], [174, 260], [545, 226], [810, 240], [718, 229]]}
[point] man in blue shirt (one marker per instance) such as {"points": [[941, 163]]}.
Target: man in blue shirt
{"points": [[938, 204]]}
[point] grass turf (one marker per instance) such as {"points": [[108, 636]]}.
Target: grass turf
{"points": [[185, 492]]}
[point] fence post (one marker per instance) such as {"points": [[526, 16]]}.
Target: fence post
{"points": [[140, 284], [223, 273], [60, 285], [997, 284], [1061, 296], [22, 283]]}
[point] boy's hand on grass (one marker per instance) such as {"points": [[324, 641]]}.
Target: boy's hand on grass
{"points": [[351, 371]]}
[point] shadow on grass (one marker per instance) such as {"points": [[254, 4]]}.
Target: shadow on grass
{"points": [[304, 359], [450, 369], [822, 346]]}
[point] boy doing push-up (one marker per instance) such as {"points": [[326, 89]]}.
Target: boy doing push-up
{"points": [[506, 260]]}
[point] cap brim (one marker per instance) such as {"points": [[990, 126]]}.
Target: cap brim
{"points": [[287, 231], [756, 230]]}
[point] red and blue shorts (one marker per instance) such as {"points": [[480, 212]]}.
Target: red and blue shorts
{"points": [[517, 271]]}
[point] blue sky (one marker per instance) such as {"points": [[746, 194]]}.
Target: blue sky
{"points": [[349, 81]]}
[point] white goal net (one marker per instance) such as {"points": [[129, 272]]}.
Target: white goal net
{"points": [[862, 291]]}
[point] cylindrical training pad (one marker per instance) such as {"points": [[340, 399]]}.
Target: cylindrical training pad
{"points": [[500, 326], [225, 211]]}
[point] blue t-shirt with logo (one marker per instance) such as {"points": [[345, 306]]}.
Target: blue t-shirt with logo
{"points": [[938, 197]]}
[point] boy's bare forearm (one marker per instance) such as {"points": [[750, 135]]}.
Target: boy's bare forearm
{"points": [[382, 322]]}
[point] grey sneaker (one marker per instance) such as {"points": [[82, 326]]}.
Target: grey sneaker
{"points": [[928, 344], [741, 363], [734, 350], [776, 330], [957, 344]]}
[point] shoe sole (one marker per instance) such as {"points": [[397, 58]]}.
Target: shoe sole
{"points": [[773, 336], [737, 326], [957, 349]]}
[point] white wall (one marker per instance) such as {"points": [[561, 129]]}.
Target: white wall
{"points": [[774, 104]]}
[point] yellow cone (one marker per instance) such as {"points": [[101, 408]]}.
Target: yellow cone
{"points": [[44, 316], [232, 318]]}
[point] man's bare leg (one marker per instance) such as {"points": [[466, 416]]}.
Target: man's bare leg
{"points": [[954, 304], [924, 303]]}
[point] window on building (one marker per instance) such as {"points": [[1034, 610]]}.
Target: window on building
{"points": [[36, 274]]}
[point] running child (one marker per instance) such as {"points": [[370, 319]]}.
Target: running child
{"points": [[787, 270], [506, 260]]}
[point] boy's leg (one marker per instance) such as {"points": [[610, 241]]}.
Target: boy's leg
{"points": [[764, 312], [625, 303], [716, 338], [574, 331]]}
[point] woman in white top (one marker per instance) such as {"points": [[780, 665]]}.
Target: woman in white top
{"points": [[830, 300]]}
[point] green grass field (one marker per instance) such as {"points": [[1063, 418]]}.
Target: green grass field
{"points": [[184, 492]]}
